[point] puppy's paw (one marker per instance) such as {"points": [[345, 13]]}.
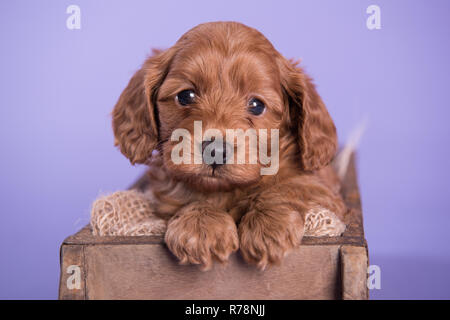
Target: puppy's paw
{"points": [[199, 234], [267, 238]]}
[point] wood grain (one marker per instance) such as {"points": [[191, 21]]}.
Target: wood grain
{"points": [[72, 255], [150, 271], [354, 273]]}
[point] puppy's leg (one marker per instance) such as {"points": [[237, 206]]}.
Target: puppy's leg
{"points": [[199, 233], [274, 222], [268, 231]]}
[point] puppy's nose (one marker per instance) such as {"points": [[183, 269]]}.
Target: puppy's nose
{"points": [[215, 151]]}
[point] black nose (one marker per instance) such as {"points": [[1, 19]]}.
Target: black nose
{"points": [[216, 155]]}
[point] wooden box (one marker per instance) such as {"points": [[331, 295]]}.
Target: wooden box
{"points": [[143, 268]]}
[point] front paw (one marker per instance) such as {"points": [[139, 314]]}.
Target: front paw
{"points": [[266, 238], [199, 234]]}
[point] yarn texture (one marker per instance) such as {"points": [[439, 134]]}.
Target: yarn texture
{"points": [[125, 213], [321, 222]]}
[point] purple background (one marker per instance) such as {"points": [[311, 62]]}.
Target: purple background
{"points": [[58, 87]]}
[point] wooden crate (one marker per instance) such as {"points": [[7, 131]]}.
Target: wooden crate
{"points": [[143, 268]]}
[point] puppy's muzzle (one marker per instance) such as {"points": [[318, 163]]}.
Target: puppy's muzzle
{"points": [[215, 153]]}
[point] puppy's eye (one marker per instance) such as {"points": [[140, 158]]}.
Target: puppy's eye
{"points": [[185, 97], [256, 106]]}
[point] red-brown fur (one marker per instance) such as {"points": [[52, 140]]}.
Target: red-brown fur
{"points": [[210, 216]]}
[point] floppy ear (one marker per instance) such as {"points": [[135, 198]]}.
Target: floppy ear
{"points": [[135, 116], [316, 131]]}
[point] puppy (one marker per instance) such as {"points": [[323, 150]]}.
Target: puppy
{"points": [[227, 76]]}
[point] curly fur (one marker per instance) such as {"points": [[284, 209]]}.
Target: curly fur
{"points": [[211, 214]]}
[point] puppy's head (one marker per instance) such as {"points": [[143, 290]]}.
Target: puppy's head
{"points": [[219, 77]]}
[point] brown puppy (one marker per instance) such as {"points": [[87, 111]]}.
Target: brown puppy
{"points": [[229, 76]]}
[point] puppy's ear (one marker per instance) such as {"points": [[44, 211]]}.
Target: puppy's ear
{"points": [[316, 131], [135, 117]]}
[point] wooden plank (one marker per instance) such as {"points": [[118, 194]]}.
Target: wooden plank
{"points": [[85, 236], [151, 272], [73, 273], [354, 265]]}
